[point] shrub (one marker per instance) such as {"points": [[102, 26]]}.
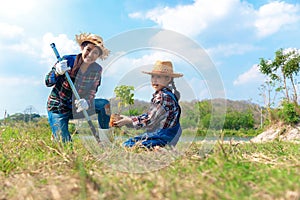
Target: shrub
{"points": [[288, 113]]}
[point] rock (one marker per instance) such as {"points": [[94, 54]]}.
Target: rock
{"points": [[281, 132]]}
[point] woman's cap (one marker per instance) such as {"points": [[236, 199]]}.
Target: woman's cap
{"points": [[164, 68], [95, 39]]}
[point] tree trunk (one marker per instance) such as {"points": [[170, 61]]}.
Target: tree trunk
{"points": [[269, 106], [295, 96], [285, 86]]}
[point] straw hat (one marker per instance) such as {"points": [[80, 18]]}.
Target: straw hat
{"points": [[164, 68], [95, 39]]}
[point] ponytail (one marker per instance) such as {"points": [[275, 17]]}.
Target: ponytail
{"points": [[174, 89]]}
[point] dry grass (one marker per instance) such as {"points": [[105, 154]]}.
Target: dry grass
{"points": [[33, 167]]}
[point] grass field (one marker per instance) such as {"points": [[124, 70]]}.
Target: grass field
{"points": [[34, 167]]}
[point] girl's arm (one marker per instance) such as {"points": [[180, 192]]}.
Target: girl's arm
{"points": [[153, 119]]}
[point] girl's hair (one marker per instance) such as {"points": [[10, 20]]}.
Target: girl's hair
{"points": [[174, 89]]}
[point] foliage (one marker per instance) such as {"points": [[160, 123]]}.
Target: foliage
{"points": [[23, 117], [268, 91], [288, 113], [282, 70], [125, 94], [204, 107], [242, 132], [133, 112], [236, 120], [189, 119]]}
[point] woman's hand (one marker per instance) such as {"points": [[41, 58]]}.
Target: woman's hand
{"points": [[81, 105], [61, 67], [123, 121]]}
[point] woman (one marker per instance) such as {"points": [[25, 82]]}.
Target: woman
{"points": [[162, 119], [86, 76]]}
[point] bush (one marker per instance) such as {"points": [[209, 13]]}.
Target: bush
{"points": [[288, 113]]}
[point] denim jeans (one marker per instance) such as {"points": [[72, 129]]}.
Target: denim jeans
{"points": [[59, 122], [160, 137], [102, 108], [59, 125]]}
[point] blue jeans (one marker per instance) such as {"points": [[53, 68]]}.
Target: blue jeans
{"points": [[102, 108], [59, 125], [59, 122], [160, 137]]}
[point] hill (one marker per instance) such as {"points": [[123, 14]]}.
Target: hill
{"points": [[188, 107]]}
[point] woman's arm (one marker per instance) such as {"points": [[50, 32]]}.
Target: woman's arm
{"points": [[51, 78]]}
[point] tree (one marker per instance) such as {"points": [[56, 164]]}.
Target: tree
{"points": [[236, 120], [292, 68], [282, 69], [204, 107], [203, 110], [266, 92]]}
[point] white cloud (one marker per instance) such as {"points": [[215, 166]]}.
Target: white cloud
{"points": [[9, 31], [17, 8], [63, 44], [24, 47], [251, 76], [39, 48], [199, 88], [129, 62], [190, 19], [231, 49], [183, 47], [275, 15], [232, 15], [18, 81], [136, 15]]}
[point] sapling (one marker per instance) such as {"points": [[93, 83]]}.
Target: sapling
{"points": [[124, 94]]}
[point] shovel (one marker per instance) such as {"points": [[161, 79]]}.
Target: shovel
{"points": [[77, 97]]}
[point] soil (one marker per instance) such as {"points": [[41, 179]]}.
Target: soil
{"points": [[279, 132], [113, 119]]}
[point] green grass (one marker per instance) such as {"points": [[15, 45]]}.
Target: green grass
{"points": [[33, 167]]}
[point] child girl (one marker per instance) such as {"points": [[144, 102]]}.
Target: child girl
{"points": [[162, 119]]}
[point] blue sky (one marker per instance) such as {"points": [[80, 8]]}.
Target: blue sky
{"points": [[230, 35]]}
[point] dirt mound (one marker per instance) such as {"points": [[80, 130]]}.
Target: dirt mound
{"points": [[279, 132]]}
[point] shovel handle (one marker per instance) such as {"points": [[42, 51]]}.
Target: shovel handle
{"points": [[77, 97]]}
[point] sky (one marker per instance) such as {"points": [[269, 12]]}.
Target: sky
{"points": [[216, 44]]}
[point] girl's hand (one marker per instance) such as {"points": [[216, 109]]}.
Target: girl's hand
{"points": [[123, 121]]}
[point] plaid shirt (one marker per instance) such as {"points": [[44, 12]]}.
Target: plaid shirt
{"points": [[164, 112], [86, 84]]}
